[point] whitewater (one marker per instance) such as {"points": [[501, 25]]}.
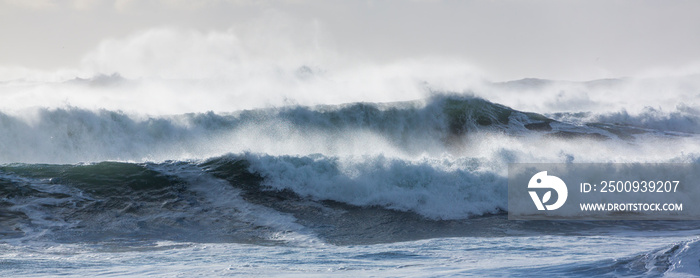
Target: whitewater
{"points": [[238, 166]]}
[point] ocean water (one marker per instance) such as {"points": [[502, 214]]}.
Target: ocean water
{"points": [[90, 185]]}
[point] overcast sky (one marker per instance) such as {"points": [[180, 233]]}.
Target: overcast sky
{"points": [[572, 40]]}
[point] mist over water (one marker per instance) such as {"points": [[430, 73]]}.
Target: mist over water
{"points": [[306, 117], [263, 140], [186, 70], [318, 122], [151, 95]]}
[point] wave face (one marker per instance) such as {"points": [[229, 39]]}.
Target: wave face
{"points": [[114, 200], [231, 199]]}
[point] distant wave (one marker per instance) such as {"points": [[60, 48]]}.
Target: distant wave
{"points": [[441, 124]]}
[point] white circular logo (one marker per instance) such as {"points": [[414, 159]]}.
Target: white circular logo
{"points": [[541, 180]]}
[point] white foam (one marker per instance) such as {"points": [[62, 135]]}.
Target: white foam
{"points": [[684, 261], [436, 188]]}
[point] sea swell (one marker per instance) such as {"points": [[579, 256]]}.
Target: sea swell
{"points": [[232, 199], [300, 173]]}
